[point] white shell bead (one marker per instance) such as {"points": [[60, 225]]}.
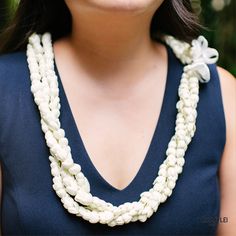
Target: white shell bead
{"points": [[160, 180], [163, 198], [181, 144], [171, 160], [170, 151], [105, 217], [68, 202], [154, 205], [73, 210], [171, 171], [75, 169], [172, 144], [171, 184], [159, 187], [61, 193], [126, 218], [67, 180], [180, 152], [94, 218], [55, 171], [63, 142], [180, 161], [72, 190], [142, 218], [83, 197], [162, 172], [147, 211], [67, 163], [167, 191], [179, 169]]}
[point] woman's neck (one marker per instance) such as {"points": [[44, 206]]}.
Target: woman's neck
{"points": [[110, 41], [111, 38]]}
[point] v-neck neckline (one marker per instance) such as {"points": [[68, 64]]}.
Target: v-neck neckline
{"points": [[80, 144]]}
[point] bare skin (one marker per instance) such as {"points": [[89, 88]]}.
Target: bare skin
{"points": [[227, 172], [114, 78], [117, 110]]}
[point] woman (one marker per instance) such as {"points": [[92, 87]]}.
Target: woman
{"points": [[118, 88]]}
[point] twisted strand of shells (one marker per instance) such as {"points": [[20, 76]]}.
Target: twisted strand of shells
{"points": [[69, 182]]}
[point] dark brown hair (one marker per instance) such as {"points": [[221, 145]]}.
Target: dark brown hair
{"points": [[174, 17]]}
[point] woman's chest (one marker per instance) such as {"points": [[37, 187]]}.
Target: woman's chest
{"points": [[116, 129]]}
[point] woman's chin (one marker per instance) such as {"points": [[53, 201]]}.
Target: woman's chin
{"points": [[123, 5]]}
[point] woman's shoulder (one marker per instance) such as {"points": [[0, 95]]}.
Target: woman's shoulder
{"points": [[226, 78], [228, 89], [227, 169]]}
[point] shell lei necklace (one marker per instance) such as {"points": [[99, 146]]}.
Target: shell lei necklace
{"points": [[69, 182]]}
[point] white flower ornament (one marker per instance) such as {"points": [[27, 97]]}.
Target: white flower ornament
{"points": [[201, 56], [69, 182], [196, 56], [202, 53]]}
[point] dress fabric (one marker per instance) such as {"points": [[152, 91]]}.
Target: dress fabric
{"points": [[31, 207]]}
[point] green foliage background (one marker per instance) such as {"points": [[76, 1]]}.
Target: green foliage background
{"points": [[221, 27], [221, 32]]}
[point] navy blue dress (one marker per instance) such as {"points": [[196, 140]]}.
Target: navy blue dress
{"points": [[30, 205]]}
